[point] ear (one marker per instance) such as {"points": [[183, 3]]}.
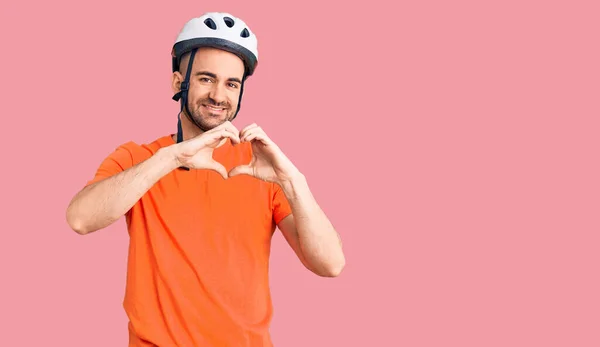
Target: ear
{"points": [[176, 81]]}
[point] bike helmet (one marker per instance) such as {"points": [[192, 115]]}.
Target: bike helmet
{"points": [[218, 30]]}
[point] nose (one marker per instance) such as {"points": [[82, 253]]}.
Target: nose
{"points": [[217, 93]]}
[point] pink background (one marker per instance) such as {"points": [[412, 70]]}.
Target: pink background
{"points": [[454, 145]]}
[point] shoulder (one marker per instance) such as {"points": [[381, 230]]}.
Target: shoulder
{"points": [[137, 152], [127, 155]]}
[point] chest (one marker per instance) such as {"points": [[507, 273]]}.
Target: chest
{"points": [[201, 201]]}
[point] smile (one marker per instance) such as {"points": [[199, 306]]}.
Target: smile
{"points": [[214, 108]]}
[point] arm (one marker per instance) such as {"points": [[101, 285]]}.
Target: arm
{"points": [[102, 203], [309, 232], [307, 229]]}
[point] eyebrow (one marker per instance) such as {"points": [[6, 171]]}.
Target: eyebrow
{"points": [[210, 74]]}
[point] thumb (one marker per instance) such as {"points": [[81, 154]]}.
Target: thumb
{"points": [[241, 170], [216, 166]]}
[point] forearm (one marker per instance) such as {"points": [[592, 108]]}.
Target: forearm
{"points": [[319, 242], [102, 203]]}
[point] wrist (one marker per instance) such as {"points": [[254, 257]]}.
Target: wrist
{"points": [[292, 181], [168, 156]]}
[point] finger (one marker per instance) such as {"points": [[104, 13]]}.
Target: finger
{"points": [[216, 166], [221, 143], [230, 127], [241, 170], [252, 137], [247, 129], [227, 126], [256, 134], [214, 140], [249, 132], [233, 130], [223, 134], [235, 137]]}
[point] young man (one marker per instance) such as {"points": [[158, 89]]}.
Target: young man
{"points": [[202, 205]]}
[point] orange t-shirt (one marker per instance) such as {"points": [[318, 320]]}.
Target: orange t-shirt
{"points": [[197, 272]]}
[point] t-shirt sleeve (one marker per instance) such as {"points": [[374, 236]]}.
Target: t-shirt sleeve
{"points": [[281, 206], [119, 160]]}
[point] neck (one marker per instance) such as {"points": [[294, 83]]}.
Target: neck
{"points": [[190, 130]]}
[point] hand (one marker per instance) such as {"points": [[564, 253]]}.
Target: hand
{"points": [[196, 153], [268, 161]]}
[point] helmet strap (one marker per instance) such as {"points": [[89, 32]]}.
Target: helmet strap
{"points": [[240, 98], [183, 95]]}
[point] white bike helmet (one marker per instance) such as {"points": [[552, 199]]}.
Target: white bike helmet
{"points": [[218, 30]]}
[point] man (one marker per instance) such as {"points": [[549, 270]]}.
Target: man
{"points": [[201, 205]]}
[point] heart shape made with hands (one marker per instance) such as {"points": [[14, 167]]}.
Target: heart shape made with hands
{"points": [[268, 163]]}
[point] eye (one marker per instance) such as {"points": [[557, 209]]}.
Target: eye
{"points": [[233, 85], [205, 79]]}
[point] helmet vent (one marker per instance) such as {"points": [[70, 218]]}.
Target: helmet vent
{"points": [[210, 23], [228, 21], [245, 33]]}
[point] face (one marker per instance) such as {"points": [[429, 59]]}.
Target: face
{"points": [[215, 85]]}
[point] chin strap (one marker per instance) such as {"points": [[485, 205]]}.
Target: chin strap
{"points": [[183, 96], [240, 98]]}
